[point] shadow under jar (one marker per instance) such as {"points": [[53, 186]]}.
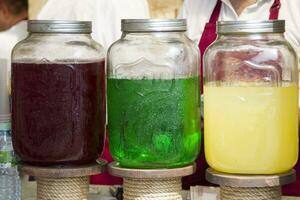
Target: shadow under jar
{"points": [[58, 94], [153, 95]]}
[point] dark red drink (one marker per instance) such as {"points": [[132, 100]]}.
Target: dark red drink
{"points": [[58, 112]]}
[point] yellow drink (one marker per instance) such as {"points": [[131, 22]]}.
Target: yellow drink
{"points": [[251, 130]]}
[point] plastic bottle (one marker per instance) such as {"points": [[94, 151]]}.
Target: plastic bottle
{"points": [[10, 184]]}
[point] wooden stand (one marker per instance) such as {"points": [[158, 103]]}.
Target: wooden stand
{"points": [[148, 184], [65, 183], [250, 187]]}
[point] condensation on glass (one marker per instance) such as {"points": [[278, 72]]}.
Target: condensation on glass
{"points": [[153, 95], [58, 94], [251, 99]]}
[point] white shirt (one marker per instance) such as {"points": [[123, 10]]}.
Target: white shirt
{"points": [[198, 13], [106, 15], [8, 40]]}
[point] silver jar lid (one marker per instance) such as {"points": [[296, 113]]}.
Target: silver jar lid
{"points": [[57, 26], [271, 26], [154, 25]]}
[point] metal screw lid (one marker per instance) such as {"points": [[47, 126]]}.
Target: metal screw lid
{"points": [[154, 25], [271, 26], [57, 26]]}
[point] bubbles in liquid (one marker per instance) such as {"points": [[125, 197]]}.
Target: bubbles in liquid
{"points": [[150, 121]]}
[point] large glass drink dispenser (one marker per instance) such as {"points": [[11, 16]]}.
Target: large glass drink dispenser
{"points": [[153, 95], [251, 99], [58, 94]]}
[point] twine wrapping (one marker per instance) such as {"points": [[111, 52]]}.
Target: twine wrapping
{"points": [[262, 193], [152, 189], [75, 188]]}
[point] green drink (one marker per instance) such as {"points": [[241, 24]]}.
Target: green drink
{"points": [[154, 123]]}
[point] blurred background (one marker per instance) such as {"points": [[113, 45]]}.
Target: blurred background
{"points": [[158, 8]]}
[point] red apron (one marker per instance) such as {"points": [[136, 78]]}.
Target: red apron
{"points": [[105, 178]]}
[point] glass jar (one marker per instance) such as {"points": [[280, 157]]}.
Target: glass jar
{"points": [[153, 95], [58, 94], [251, 99]]}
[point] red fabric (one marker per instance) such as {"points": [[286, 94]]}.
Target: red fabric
{"points": [[274, 10], [294, 188], [105, 178], [208, 37]]}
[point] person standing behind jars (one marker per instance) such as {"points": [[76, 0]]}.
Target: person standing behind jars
{"points": [[106, 15]]}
